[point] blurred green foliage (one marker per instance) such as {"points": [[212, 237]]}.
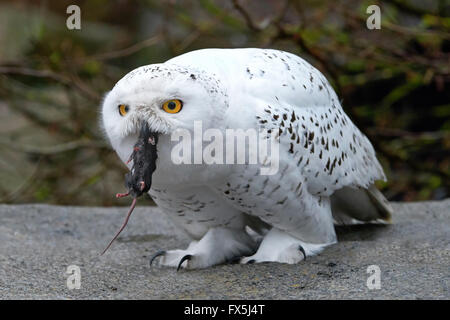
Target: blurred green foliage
{"points": [[394, 82]]}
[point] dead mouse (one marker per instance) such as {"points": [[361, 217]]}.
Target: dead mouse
{"points": [[139, 179]]}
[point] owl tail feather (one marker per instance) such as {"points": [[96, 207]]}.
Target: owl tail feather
{"points": [[360, 204], [383, 206]]}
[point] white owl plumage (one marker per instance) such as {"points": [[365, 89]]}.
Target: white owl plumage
{"points": [[327, 167]]}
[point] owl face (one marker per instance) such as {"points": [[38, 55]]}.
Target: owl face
{"points": [[168, 98]]}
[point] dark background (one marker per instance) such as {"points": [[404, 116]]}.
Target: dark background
{"points": [[394, 83]]}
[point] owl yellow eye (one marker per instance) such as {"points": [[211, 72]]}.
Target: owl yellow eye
{"points": [[172, 106], [123, 109]]}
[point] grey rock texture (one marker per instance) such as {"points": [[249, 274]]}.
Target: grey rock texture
{"points": [[39, 242]]}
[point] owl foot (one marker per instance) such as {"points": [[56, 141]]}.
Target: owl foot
{"points": [[218, 245], [171, 258], [278, 246]]}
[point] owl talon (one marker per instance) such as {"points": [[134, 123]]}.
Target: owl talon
{"points": [[186, 257], [302, 251], [156, 255], [208, 251]]}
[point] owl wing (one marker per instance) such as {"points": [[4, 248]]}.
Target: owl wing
{"points": [[290, 97]]}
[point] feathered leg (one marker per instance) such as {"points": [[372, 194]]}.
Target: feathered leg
{"points": [[217, 246]]}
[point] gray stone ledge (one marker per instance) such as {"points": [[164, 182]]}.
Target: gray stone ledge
{"points": [[38, 242]]}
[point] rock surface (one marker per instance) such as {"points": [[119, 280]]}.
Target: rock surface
{"points": [[39, 242]]}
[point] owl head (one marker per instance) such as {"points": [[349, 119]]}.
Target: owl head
{"points": [[166, 96]]}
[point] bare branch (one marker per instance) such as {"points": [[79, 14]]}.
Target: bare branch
{"points": [[14, 194], [126, 51], [68, 81], [248, 20], [51, 150], [394, 132]]}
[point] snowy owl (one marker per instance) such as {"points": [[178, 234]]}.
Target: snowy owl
{"points": [[232, 212]]}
